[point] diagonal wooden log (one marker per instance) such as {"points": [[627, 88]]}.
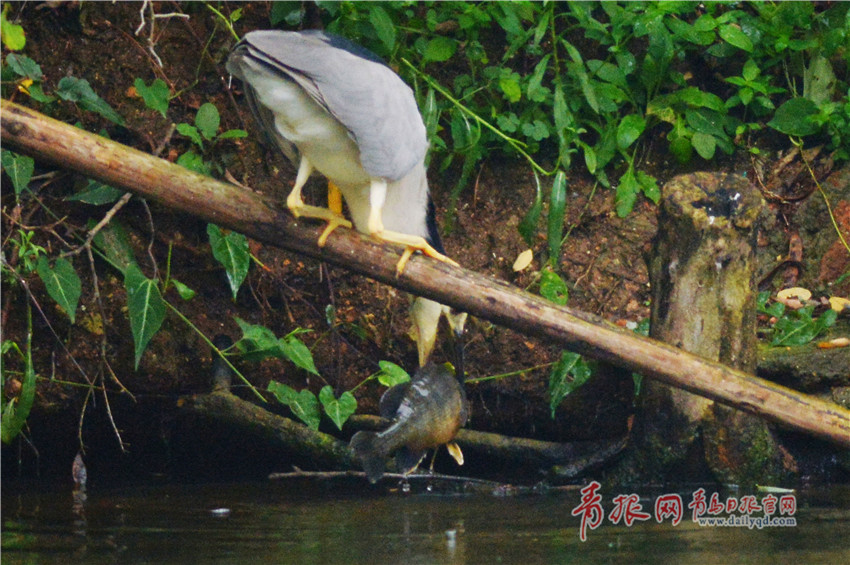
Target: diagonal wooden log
{"points": [[49, 140]]}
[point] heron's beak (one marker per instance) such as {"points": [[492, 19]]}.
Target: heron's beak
{"points": [[457, 323]]}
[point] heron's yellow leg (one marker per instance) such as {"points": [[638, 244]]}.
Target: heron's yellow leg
{"points": [[334, 198], [377, 196], [296, 204], [335, 207]]}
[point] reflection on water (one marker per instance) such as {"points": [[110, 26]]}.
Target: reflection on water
{"points": [[349, 521]]}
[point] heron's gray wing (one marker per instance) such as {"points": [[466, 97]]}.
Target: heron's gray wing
{"points": [[366, 96], [265, 118]]}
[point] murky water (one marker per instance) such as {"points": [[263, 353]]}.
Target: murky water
{"points": [[349, 521]]}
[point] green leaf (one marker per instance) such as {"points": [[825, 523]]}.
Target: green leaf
{"points": [[555, 219], [232, 252], [303, 404], [465, 134], [113, 242], [155, 95], [589, 158], [819, 81], [192, 133], [194, 162], [24, 66], [208, 120], [630, 129], [794, 117], [36, 93], [257, 342], [553, 288], [15, 413], [12, 34], [732, 34], [391, 374], [80, 91], [528, 225], [184, 291], [680, 147], [295, 350], [62, 283], [705, 145], [19, 168], [233, 134], [384, 26], [568, 375], [97, 193], [439, 49], [649, 186], [338, 410], [627, 191], [510, 86], [146, 308], [285, 11], [751, 70]]}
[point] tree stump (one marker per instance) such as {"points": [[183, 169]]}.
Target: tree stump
{"points": [[703, 301]]}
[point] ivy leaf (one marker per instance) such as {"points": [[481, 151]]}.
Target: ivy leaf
{"points": [[146, 308], [114, 242], [295, 350], [155, 95], [232, 252], [97, 193], [79, 91], [568, 374], [62, 283], [184, 291], [338, 410], [19, 168], [303, 404], [257, 342], [208, 120], [391, 374]]}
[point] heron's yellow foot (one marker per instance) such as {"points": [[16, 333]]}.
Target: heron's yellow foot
{"points": [[299, 209], [412, 243]]}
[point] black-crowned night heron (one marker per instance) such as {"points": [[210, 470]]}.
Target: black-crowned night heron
{"points": [[331, 106], [425, 413]]}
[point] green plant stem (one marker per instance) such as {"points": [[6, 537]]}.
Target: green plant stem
{"points": [[516, 144], [217, 350], [799, 143], [511, 374], [226, 21]]}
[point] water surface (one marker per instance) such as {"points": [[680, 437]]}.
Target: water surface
{"points": [[349, 521]]}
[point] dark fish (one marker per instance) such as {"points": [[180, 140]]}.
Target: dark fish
{"points": [[426, 413]]}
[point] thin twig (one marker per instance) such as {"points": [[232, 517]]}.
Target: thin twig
{"points": [[100, 225]]}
